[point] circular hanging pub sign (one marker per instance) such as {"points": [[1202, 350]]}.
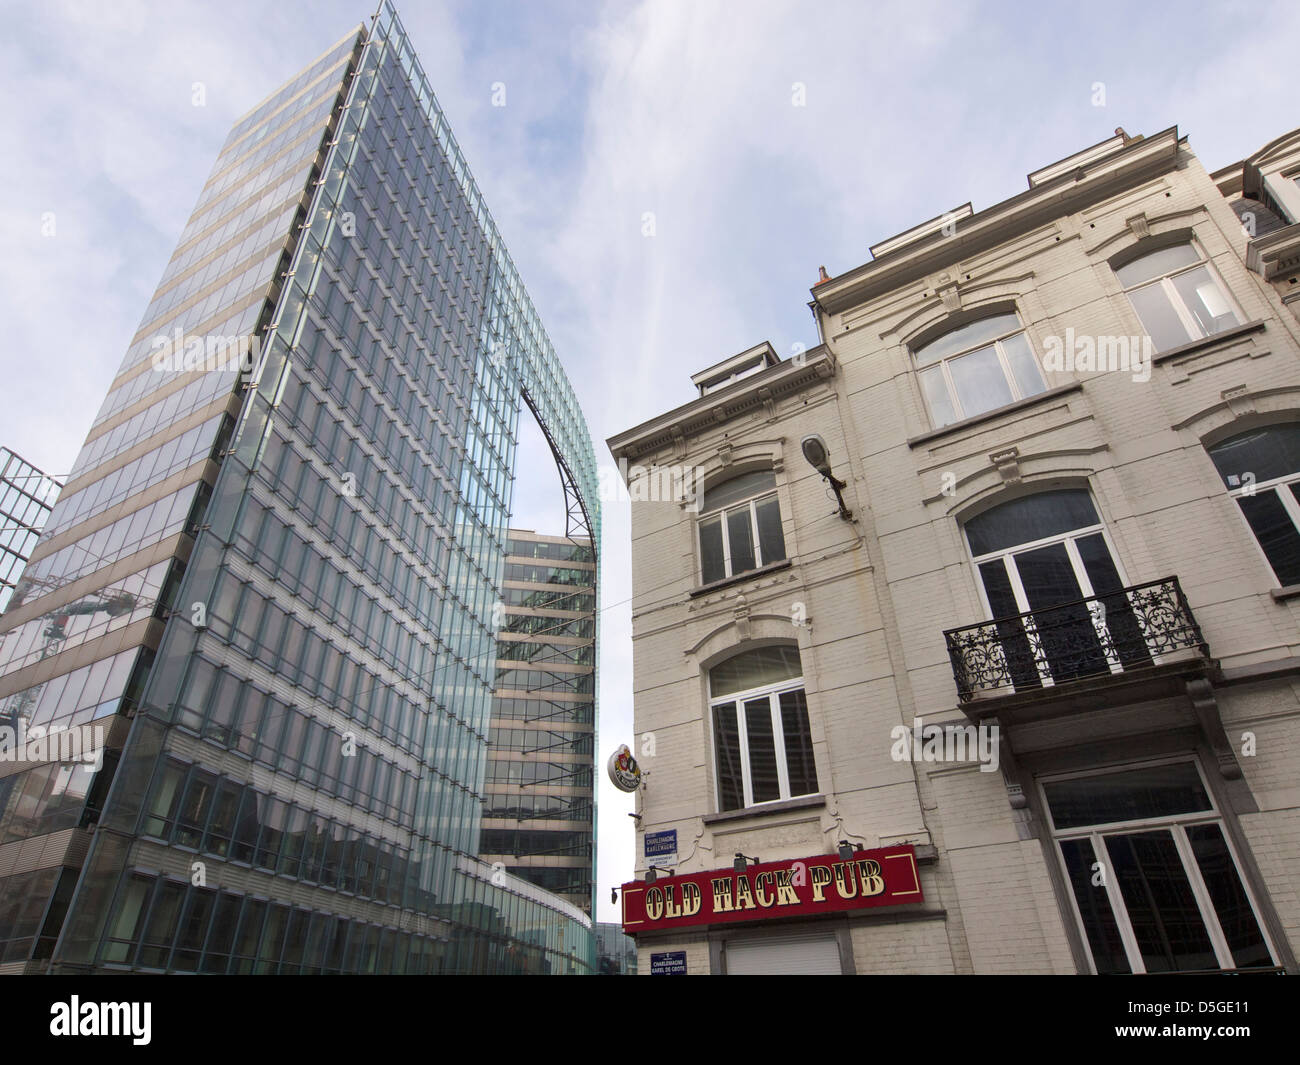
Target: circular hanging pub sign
{"points": [[623, 770]]}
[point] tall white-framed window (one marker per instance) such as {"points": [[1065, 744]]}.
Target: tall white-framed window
{"points": [[977, 367], [740, 526], [1155, 881], [762, 741], [1261, 470], [1039, 558], [1178, 296]]}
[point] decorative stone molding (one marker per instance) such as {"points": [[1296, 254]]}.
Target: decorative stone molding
{"points": [[1007, 463], [1205, 705], [741, 615], [1139, 225], [1021, 814], [1239, 400]]}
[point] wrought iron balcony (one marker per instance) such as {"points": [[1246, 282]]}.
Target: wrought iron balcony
{"points": [[1108, 634]]}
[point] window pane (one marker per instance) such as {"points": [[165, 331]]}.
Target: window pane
{"points": [[1154, 791], [942, 412], [738, 488], [194, 809], [740, 538], [1263, 454], [1029, 379], [1157, 264], [193, 930], [1275, 532], [1236, 917], [1206, 301], [1032, 518], [156, 947], [1063, 621], [980, 382], [250, 931], [755, 669], [771, 540], [726, 738], [711, 563], [968, 336], [125, 928], [1094, 907], [1117, 612], [216, 956], [764, 781], [1167, 923], [1159, 318], [158, 821], [1018, 655], [800, 766]]}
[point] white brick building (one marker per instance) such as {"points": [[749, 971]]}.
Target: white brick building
{"points": [[1068, 431]]}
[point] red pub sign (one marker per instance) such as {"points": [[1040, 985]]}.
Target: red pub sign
{"points": [[824, 883]]}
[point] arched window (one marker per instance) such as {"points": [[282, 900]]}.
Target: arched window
{"points": [[977, 367], [740, 526], [1177, 296], [1261, 470], [761, 739], [1039, 558]]}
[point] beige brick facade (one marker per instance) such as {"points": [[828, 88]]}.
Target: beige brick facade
{"points": [[867, 600]]}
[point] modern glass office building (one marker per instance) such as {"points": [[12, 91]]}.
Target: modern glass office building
{"points": [[539, 810], [277, 560], [26, 498]]}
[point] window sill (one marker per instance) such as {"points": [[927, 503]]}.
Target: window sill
{"points": [[803, 802], [1234, 333], [738, 578], [990, 415], [1289, 592]]}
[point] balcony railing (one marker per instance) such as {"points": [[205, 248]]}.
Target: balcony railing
{"points": [[1107, 634]]}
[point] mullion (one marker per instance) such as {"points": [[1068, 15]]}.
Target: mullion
{"points": [[742, 733], [1172, 294], [778, 746], [1202, 896], [1012, 383]]}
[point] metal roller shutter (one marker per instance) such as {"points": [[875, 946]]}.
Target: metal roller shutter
{"points": [[815, 955]]}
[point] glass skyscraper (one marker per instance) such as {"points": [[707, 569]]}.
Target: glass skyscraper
{"points": [[26, 498], [539, 813], [274, 572]]}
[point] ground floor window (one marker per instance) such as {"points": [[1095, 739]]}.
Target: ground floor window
{"points": [[1156, 885]]}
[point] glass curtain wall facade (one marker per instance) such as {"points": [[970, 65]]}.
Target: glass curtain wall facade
{"points": [[539, 811], [26, 497], [615, 952], [289, 525]]}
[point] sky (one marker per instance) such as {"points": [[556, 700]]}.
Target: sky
{"points": [[668, 176]]}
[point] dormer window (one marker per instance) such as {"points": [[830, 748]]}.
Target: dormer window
{"points": [[977, 367], [756, 366], [737, 368]]}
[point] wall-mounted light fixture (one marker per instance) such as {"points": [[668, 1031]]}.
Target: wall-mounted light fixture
{"points": [[652, 874], [741, 861], [819, 458]]}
